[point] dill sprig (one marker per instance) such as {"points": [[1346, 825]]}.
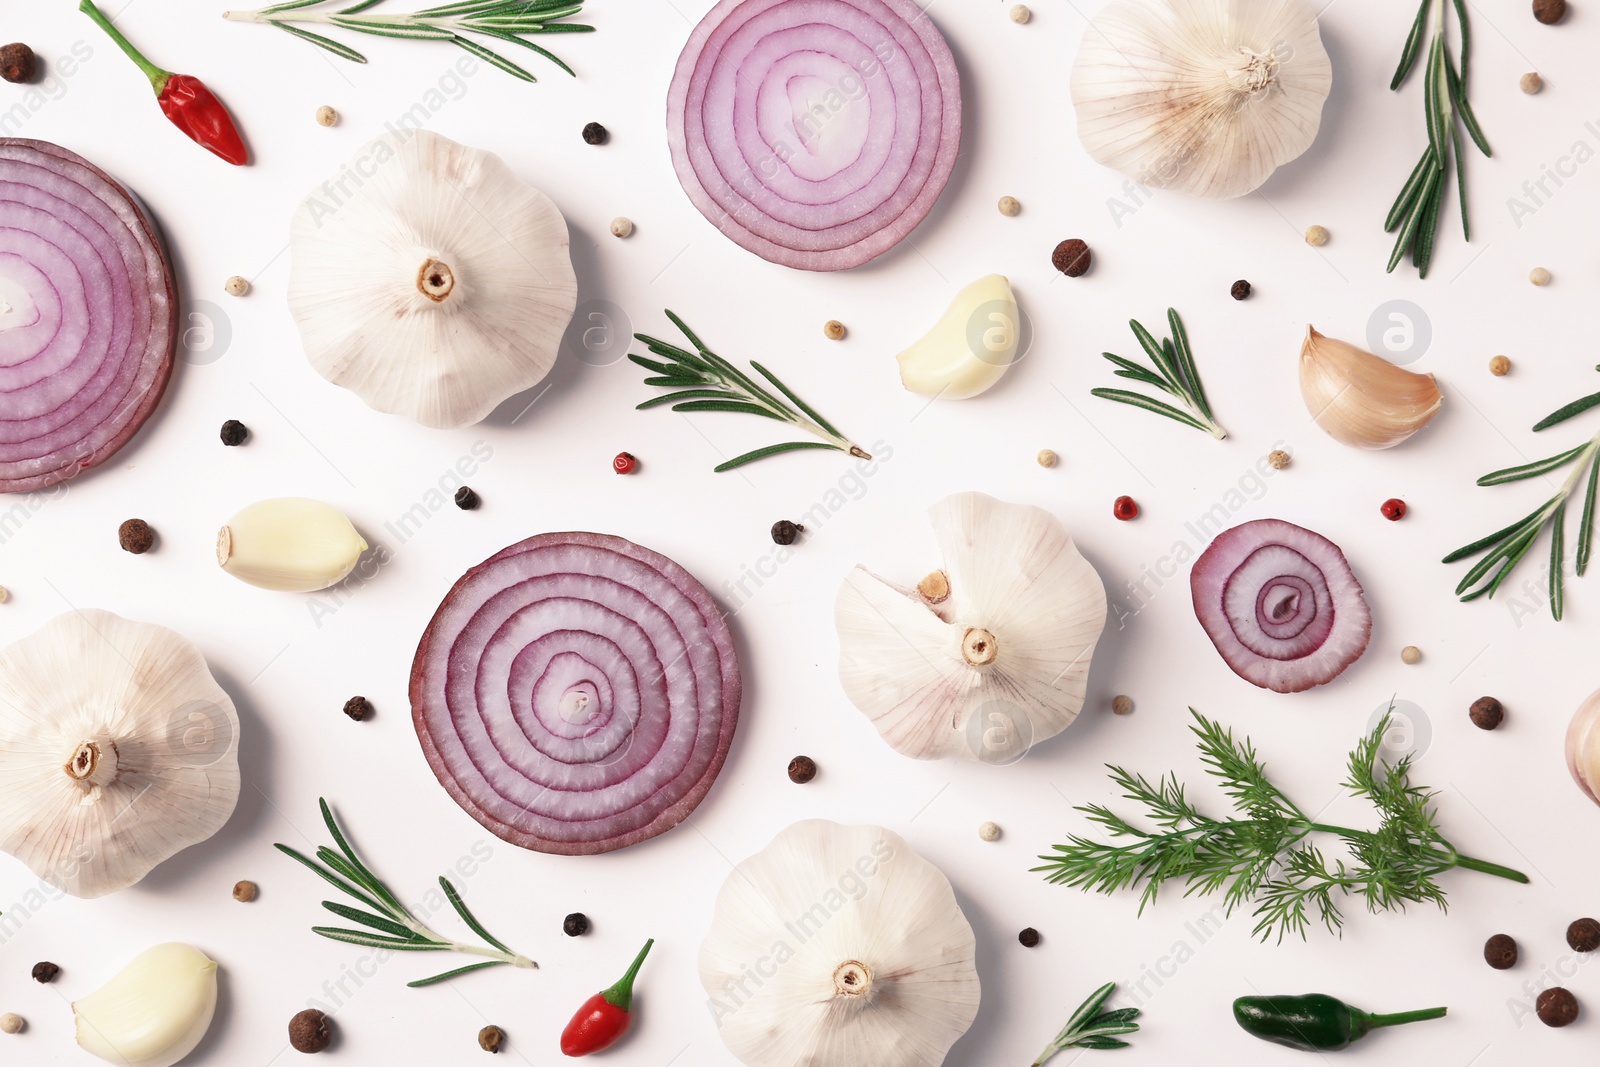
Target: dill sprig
{"points": [[1090, 1027], [704, 381], [502, 20], [1266, 857], [1416, 210], [398, 930], [1504, 549], [1174, 374]]}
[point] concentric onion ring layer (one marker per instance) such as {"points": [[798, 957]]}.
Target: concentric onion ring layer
{"points": [[815, 133], [87, 316], [576, 693]]}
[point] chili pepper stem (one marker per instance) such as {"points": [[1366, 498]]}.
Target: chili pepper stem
{"points": [[158, 77], [621, 994], [1403, 1017]]}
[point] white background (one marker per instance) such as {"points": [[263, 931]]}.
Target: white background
{"points": [[1504, 796]]}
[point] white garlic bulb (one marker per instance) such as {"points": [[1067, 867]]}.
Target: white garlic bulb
{"points": [[1207, 97], [430, 280], [989, 655], [154, 1012], [838, 946], [1360, 399], [117, 750], [970, 348], [290, 544]]}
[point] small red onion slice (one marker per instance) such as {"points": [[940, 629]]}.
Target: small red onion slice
{"points": [[576, 693], [815, 133], [88, 319], [1281, 605]]}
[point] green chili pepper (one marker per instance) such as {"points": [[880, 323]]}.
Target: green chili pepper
{"points": [[1316, 1022]]}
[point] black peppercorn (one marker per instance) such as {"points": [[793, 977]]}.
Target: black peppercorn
{"points": [[1549, 12], [802, 769], [1029, 938], [1557, 1007], [467, 499], [575, 925], [310, 1031], [1487, 713], [490, 1037], [136, 536], [358, 708], [18, 63], [234, 433], [1500, 952], [1072, 258], [594, 133], [45, 972], [1241, 290], [1584, 935], [785, 532]]}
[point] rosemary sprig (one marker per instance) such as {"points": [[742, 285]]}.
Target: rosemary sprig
{"points": [[1504, 549], [396, 928], [1416, 210], [501, 20], [1174, 374], [1265, 857], [1090, 1027], [704, 381]]}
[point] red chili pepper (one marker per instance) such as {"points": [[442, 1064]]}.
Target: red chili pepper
{"points": [[604, 1017], [184, 99]]}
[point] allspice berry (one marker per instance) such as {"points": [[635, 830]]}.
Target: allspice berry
{"points": [[45, 973], [1557, 1007], [594, 133], [136, 536], [575, 925], [1072, 257], [802, 769], [1241, 290], [1500, 366], [490, 1038], [1500, 952], [1549, 12], [245, 892], [18, 63], [1122, 705], [358, 708], [310, 1031], [1029, 938], [234, 433], [1584, 935], [1487, 713], [785, 532]]}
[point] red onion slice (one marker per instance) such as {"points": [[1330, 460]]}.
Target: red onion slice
{"points": [[815, 133], [576, 693], [88, 316], [1281, 605]]}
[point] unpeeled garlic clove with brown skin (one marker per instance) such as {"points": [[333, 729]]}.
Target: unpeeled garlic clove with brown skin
{"points": [[1583, 747], [1360, 399]]}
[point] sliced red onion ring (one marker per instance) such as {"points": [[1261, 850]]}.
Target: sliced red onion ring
{"points": [[815, 133], [88, 318], [576, 693], [1281, 605]]}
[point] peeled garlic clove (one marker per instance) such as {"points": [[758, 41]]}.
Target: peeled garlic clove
{"points": [[1208, 97], [970, 348], [1583, 747], [289, 543], [154, 1012], [986, 657], [1360, 399]]}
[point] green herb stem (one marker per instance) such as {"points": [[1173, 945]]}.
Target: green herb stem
{"points": [[508, 21], [1174, 373], [1091, 1028]]}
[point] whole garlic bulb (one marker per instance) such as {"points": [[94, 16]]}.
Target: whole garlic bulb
{"points": [[987, 656], [1360, 399], [154, 1012], [117, 750], [838, 946], [1583, 747], [1207, 97], [430, 280]]}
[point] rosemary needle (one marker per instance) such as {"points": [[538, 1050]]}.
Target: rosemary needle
{"points": [[1174, 374]]}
